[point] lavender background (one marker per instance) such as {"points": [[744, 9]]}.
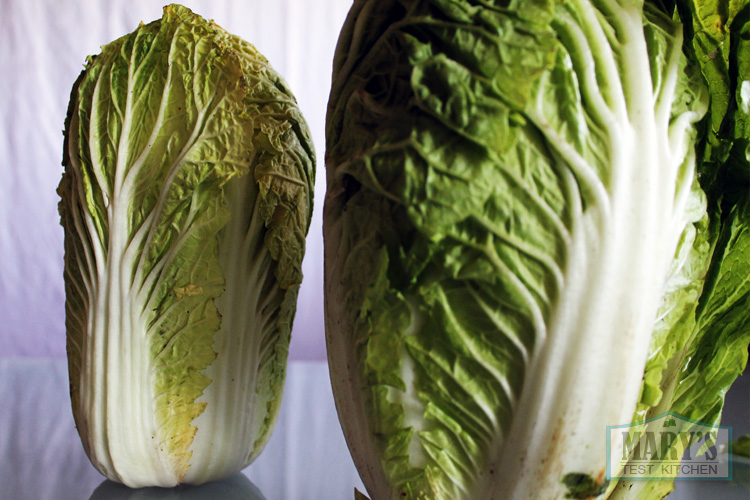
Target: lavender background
{"points": [[43, 45]]}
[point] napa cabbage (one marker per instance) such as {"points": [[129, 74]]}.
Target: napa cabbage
{"points": [[537, 225], [185, 200]]}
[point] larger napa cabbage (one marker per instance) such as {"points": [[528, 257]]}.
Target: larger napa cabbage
{"points": [[537, 225], [186, 198]]}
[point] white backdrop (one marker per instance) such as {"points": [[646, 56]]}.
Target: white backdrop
{"points": [[43, 44]]}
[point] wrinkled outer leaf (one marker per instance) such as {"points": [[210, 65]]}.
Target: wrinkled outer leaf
{"points": [[185, 200]]}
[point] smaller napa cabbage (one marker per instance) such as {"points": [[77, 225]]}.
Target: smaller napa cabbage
{"points": [[186, 198]]}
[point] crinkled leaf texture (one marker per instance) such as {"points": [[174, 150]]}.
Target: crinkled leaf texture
{"points": [[186, 198], [515, 230]]}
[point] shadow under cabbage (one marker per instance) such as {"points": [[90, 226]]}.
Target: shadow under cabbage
{"points": [[235, 487]]}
